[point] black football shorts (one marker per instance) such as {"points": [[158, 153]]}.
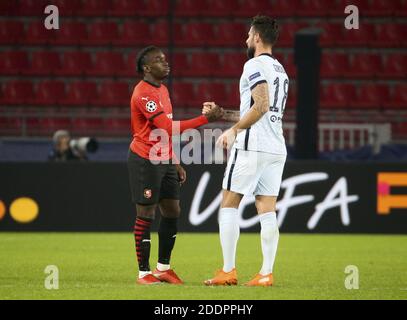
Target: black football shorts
{"points": [[149, 183]]}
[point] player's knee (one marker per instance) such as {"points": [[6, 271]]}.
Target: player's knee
{"points": [[146, 211], [265, 204], [170, 209]]}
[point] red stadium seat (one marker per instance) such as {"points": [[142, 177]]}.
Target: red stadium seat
{"points": [[332, 33], [13, 62], [126, 8], [210, 91], [37, 34], [250, 8], [193, 34], [71, 33], [290, 67], [130, 67], [160, 33], [134, 33], [337, 95], [401, 8], [87, 126], [11, 32], [9, 8], [216, 8], [107, 64], [68, 7], [49, 93], [95, 8], [283, 8], [46, 126], [32, 7], [180, 65], [398, 98], [10, 126], [292, 96], [394, 66], [102, 33], [182, 94], [334, 65], [390, 35], [338, 7], [204, 65], [364, 66], [44, 63], [117, 127], [80, 93], [313, 8], [230, 34], [287, 33], [17, 92], [189, 8], [371, 95], [156, 8], [233, 97], [381, 8], [232, 65], [399, 130], [113, 94], [280, 57], [358, 37], [75, 63]]}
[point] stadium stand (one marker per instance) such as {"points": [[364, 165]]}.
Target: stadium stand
{"points": [[90, 62]]}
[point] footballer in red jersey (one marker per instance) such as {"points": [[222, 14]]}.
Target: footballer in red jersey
{"points": [[154, 177]]}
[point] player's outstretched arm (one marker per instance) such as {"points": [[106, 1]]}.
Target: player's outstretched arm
{"points": [[261, 104], [231, 115], [228, 115], [161, 121]]}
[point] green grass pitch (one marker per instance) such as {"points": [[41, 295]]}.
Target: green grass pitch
{"points": [[103, 266]]}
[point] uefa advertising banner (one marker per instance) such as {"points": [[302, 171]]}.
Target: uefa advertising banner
{"points": [[318, 197]]}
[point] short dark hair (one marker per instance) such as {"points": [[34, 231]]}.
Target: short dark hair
{"points": [[267, 28], [141, 57]]}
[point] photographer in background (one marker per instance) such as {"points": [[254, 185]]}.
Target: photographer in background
{"points": [[67, 149]]}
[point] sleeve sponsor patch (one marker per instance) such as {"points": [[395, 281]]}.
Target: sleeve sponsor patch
{"points": [[254, 76], [151, 106]]}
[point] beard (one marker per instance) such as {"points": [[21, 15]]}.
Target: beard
{"points": [[250, 52]]}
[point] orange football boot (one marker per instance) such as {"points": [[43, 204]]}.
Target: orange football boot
{"points": [[223, 279], [148, 279], [261, 281], [168, 276]]}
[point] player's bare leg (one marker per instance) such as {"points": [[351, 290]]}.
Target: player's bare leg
{"points": [[145, 216], [229, 234], [266, 208], [167, 232]]}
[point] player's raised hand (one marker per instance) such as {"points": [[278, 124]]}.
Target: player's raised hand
{"points": [[227, 138], [215, 113]]}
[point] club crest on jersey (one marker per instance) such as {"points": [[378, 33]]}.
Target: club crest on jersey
{"points": [[254, 76], [147, 193], [151, 106]]}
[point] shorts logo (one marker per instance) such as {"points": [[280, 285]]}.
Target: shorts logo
{"points": [[147, 193], [151, 106], [254, 76]]}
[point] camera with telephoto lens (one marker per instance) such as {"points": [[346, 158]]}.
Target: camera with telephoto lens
{"points": [[81, 146]]}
